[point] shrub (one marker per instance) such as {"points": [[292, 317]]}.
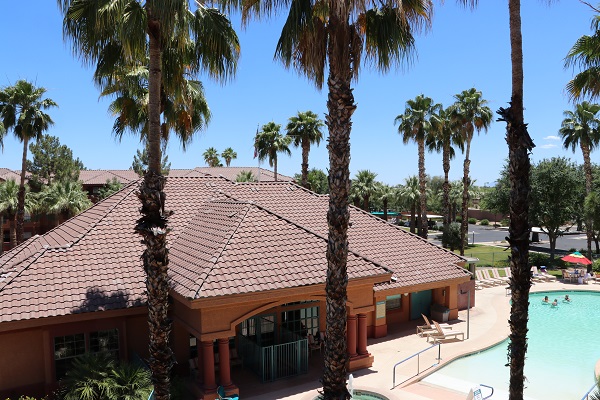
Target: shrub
{"points": [[539, 259], [451, 236], [484, 222], [504, 222], [458, 219], [472, 221], [596, 266]]}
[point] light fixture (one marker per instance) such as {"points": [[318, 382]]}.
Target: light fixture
{"points": [[405, 294]]}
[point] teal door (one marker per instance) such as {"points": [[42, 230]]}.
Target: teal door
{"points": [[420, 302]]}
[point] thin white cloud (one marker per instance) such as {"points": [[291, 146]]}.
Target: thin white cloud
{"points": [[548, 146], [551, 138]]}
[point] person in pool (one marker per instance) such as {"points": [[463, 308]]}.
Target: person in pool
{"points": [[546, 300], [567, 299], [555, 303]]}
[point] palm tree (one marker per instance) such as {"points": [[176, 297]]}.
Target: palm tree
{"points": [[245, 176], [9, 194], [470, 114], [268, 142], [21, 108], [66, 198], [385, 193], [410, 195], [415, 124], [329, 35], [165, 34], [585, 55], [228, 154], [364, 186], [582, 127], [211, 157], [442, 138], [305, 130]]}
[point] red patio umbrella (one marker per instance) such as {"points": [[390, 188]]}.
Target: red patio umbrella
{"points": [[576, 258]]}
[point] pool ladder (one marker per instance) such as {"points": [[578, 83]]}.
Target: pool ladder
{"points": [[483, 398]]}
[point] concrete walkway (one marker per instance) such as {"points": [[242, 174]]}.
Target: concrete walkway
{"points": [[487, 325]]}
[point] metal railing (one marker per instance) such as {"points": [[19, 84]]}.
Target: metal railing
{"points": [[418, 356], [489, 387], [284, 360], [586, 396]]}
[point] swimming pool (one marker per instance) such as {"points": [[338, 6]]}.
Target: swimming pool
{"points": [[561, 352]]}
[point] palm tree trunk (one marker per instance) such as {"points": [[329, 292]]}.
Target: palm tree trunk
{"points": [[519, 146], [153, 228], [587, 168], [305, 151], [413, 210], [2, 231], [21, 193], [275, 167], [446, 186], [385, 209], [422, 189], [340, 107], [464, 224], [366, 203], [12, 224]]}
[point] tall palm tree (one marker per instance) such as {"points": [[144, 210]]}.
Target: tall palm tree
{"points": [[385, 193], [415, 124], [585, 55], [269, 142], [410, 194], [188, 41], [443, 138], [470, 114], [333, 36], [66, 198], [305, 130], [364, 186], [211, 157], [22, 109], [9, 194], [582, 127], [228, 154]]}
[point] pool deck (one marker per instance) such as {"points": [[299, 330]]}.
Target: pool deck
{"points": [[488, 325]]}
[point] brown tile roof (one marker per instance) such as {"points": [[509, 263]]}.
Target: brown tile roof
{"points": [[231, 173], [226, 238], [99, 176]]}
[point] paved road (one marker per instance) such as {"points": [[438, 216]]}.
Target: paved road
{"points": [[497, 236]]}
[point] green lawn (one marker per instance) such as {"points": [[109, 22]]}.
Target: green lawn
{"points": [[488, 255]]}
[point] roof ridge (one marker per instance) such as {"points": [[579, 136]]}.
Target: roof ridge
{"points": [[288, 220], [225, 244], [23, 247], [94, 224]]}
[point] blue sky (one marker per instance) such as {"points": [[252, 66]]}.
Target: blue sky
{"points": [[463, 49]]}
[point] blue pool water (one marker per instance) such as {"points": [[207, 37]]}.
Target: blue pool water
{"points": [[561, 355]]}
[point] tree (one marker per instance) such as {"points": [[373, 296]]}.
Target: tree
{"points": [[498, 199], [9, 200], [364, 186], [51, 162], [211, 157], [176, 43], [554, 196], [245, 176], [410, 195], [268, 142], [22, 109], [305, 130], [442, 138], [228, 154], [111, 186], [64, 197], [415, 124], [451, 238], [317, 181], [582, 127], [385, 193], [140, 163], [584, 54], [333, 34], [592, 211], [470, 114]]}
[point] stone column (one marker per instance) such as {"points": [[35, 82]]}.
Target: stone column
{"points": [[362, 334], [208, 364], [224, 364], [351, 335]]}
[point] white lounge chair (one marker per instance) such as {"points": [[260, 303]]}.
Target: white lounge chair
{"points": [[483, 281], [487, 274], [496, 275], [444, 334], [428, 327]]}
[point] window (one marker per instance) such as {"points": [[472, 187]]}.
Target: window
{"points": [[393, 302], [301, 322], [66, 348]]}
